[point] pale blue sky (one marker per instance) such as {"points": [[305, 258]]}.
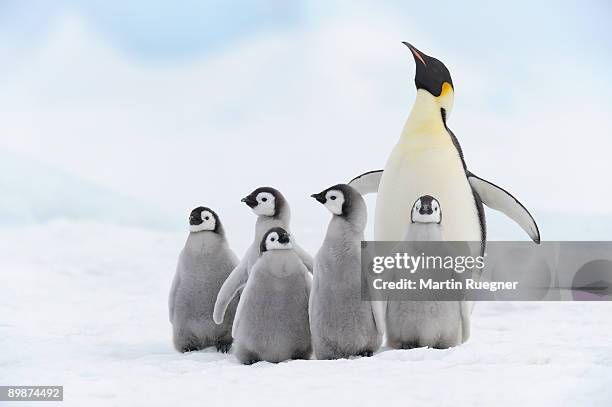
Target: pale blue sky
{"points": [[170, 30], [155, 30]]}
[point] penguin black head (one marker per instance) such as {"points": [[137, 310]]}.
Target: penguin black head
{"points": [[338, 199], [426, 209], [203, 218], [266, 201], [434, 77], [275, 239]]}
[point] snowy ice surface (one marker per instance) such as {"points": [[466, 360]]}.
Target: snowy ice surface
{"points": [[84, 305]]}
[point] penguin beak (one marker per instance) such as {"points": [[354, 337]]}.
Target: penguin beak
{"points": [[426, 210], [250, 201], [418, 58], [319, 197], [193, 220], [284, 238], [431, 74]]}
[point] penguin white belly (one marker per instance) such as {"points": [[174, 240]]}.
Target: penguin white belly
{"points": [[437, 172]]}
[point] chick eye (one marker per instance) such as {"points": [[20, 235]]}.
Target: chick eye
{"points": [[206, 218], [264, 199], [273, 239], [333, 197], [436, 209]]}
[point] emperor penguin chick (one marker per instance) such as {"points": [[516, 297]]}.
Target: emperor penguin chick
{"points": [[436, 324], [425, 221], [272, 210], [342, 325], [272, 317], [203, 266]]}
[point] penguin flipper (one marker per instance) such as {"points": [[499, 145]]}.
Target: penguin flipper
{"points": [[234, 283], [501, 200], [378, 311], [367, 183], [465, 311], [171, 298], [304, 256], [308, 279]]}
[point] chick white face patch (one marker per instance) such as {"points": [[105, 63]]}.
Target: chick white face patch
{"points": [[272, 243], [208, 223], [334, 200], [266, 204]]}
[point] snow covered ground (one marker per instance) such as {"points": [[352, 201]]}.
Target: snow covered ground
{"points": [[83, 305]]}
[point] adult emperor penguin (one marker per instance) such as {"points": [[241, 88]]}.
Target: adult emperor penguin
{"points": [[436, 324], [272, 317], [429, 159], [342, 325], [272, 210], [204, 264]]}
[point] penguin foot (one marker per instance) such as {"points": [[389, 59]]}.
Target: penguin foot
{"points": [[410, 345], [185, 341], [445, 344], [301, 355], [246, 357], [398, 343], [366, 353], [190, 348], [223, 347]]}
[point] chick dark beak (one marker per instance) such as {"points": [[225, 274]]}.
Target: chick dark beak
{"points": [[250, 201], [283, 239], [425, 210], [319, 197], [193, 220]]}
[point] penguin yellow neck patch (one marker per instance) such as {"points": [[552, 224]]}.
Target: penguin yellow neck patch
{"points": [[447, 89]]}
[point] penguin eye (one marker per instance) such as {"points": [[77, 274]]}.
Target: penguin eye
{"points": [[436, 209], [333, 197], [264, 199], [206, 218], [273, 239]]}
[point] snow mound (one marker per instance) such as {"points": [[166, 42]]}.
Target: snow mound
{"points": [[33, 192]]}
